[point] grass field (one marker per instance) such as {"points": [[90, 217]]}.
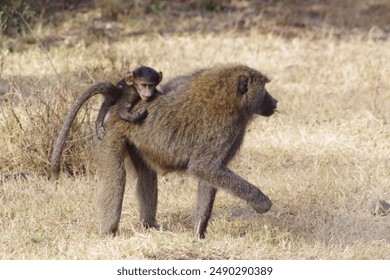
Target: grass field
{"points": [[321, 159]]}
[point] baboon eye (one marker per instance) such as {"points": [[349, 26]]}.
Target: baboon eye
{"points": [[242, 85]]}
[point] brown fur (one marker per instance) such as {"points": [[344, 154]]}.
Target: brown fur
{"points": [[197, 126]]}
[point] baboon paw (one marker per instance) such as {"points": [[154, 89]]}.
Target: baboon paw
{"points": [[142, 114], [107, 231], [151, 225], [262, 206], [201, 236], [100, 133], [99, 136]]}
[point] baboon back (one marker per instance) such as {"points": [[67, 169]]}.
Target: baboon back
{"points": [[195, 122]]}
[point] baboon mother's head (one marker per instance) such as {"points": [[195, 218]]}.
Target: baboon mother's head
{"points": [[254, 96]]}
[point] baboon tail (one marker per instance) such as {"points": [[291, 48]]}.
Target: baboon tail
{"points": [[104, 88]]}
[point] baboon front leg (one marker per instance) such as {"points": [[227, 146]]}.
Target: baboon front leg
{"points": [[223, 178], [204, 206], [147, 192], [111, 186]]}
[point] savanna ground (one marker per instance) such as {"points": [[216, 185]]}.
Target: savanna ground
{"points": [[321, 159]]}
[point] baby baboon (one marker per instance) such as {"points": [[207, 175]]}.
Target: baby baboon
{"points": [[136, 85], [197, 126]]}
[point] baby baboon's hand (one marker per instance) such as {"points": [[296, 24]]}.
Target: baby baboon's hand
{"points": [[142, 114]]}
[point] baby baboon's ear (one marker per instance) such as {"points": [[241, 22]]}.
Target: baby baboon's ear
{"points": [[160, 76], [129, 79], [242, 87]]}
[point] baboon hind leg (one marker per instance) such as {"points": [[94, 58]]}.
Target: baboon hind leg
{"points": [[147, 192], [204, 206], [111, 186]]}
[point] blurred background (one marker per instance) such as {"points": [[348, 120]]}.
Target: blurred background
{"points": [[70, 21]]}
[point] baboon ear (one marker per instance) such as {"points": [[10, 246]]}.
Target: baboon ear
{"points": [[242, 87], [160, 76], [129, 79]]}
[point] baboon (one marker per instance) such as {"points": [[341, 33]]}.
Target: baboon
{"points": [[196, 126], [136, 85]]}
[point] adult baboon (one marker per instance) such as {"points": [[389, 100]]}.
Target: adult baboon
{"points": [[197, 126]]}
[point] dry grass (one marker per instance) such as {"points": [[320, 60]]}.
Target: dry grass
{"points": [[321, 159]]}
